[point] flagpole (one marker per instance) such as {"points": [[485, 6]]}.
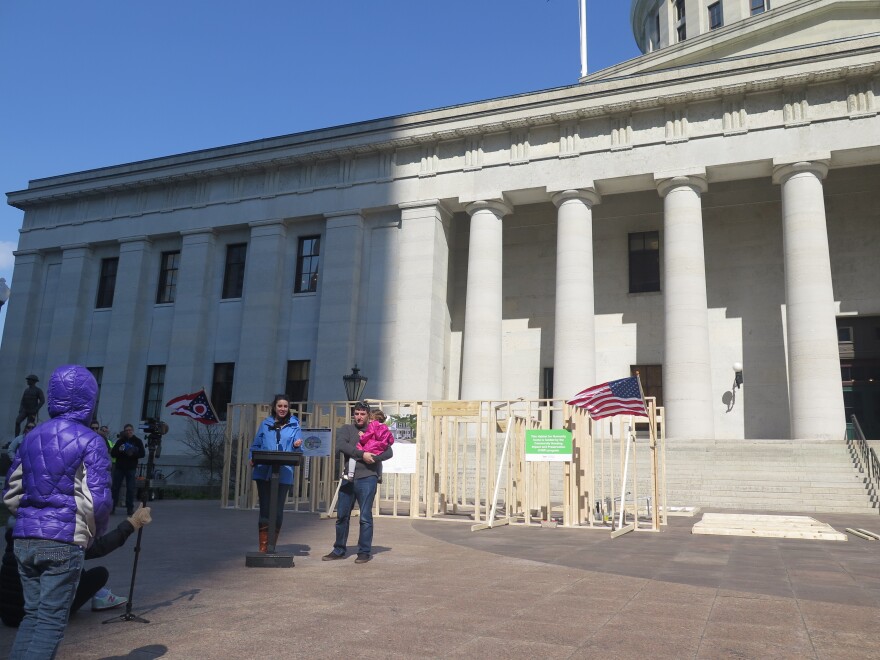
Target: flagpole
{"points": [[582, 6]]}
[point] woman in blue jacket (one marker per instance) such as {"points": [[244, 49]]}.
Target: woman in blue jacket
{"points": [[278, 432]]}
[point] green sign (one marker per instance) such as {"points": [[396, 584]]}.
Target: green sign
{"points": [[548, 445]]}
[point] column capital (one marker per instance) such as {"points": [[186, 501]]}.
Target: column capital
{"points": [[425, 204], [498, 206], [784, 171], [697, 182], [75, 250], [588, 196], [344, 214], [208, 231], [128, 240], [275, 227]]}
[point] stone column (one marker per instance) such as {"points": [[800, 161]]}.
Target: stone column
{"points": [[75, 297], [687, 377], [422, 317], [481, 349], [129, 337], [261, 369], [814, 389], [20, 330], [574, 344], [188, 357], [339, 286]]}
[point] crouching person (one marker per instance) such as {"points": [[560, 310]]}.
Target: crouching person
{"points": [[58, 488], [91, 582]]}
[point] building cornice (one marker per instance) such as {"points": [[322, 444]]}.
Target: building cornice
{"points": [[561, 106]]}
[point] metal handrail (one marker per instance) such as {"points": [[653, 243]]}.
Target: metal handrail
{"points": [[868, 462]]}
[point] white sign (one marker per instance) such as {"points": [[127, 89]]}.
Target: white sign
{"points": [[404, 460], [316, 442]]}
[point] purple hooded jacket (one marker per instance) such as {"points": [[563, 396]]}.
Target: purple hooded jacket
{"points": [[58, 486]]}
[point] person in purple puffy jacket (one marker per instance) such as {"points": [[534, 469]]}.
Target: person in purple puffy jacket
{"points": [[58, 487]]}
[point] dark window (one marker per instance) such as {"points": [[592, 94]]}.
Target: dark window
{"points": [[233, 276], [679, 10], [107, 283], [644, 262], [221, 388], [656, 30], [98, 373], [168, 277], [547, 383], [716, 16], [307, 258], [682, 32], [844, 335], [759, 6], [651, 377], [297, 385], [153, 392]]}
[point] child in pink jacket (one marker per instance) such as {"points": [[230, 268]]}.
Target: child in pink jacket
{"points": [[376, 438]]}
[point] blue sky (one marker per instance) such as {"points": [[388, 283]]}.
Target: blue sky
{"points": [[92, 83]]}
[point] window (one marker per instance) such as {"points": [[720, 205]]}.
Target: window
{"points": [[307, 265], [547, 383], [233, 276], [153, 392], [680, 19], [759, 6], [844, 335], [98, 373], [107, 283], [679, 10], [297, 385], [651, 377], [652, 32], [644, 262], [221, 388], [168, 268], [716, 16]]}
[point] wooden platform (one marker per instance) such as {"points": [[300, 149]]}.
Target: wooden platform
{"points": [[766, 526]]}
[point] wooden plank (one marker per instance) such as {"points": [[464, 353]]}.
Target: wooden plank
{"points": [[766, 526], [455, 408], [626, 529], [860, 534]]}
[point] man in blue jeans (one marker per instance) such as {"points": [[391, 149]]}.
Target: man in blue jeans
{"points": [[58, 489], [361, 489]]}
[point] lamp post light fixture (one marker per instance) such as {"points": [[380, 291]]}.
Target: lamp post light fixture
{"points": [[354, 384], [737, 375]]}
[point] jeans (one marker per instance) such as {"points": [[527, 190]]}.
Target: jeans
{"points": [[129, 475], [49, 572], [264, 495], [22, 415], [363, 491]]}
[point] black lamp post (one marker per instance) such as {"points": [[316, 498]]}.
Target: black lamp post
{"points": [[354, 384]]}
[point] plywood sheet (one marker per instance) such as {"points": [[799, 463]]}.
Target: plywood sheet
{"points": [[766, 526]]}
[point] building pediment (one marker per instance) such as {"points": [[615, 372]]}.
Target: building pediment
{"points": [[791, 31]]}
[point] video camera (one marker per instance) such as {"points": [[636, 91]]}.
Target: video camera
{"points": [[154, 429]]}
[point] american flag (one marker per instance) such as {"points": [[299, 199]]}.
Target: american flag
{"points": [[196, 406], [616, 397]]}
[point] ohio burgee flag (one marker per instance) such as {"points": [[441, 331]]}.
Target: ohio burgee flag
{"points": [[196, 406]]}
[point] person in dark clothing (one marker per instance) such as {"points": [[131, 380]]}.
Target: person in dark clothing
{"points": [[362, 488], [127, 451], [91, 581], [32, 399]]}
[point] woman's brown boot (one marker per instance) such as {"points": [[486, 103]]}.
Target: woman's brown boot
{"points": [[264, 537]]}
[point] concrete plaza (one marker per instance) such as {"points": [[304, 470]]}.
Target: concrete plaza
{"points": [[436, 589]]}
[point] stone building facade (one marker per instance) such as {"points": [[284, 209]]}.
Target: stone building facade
{"points": [[713, 201]]}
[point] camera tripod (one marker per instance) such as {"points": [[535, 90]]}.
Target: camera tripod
{"points": [[154, 441]]}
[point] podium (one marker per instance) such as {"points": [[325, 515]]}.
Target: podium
{"points": [[271, 558]]}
